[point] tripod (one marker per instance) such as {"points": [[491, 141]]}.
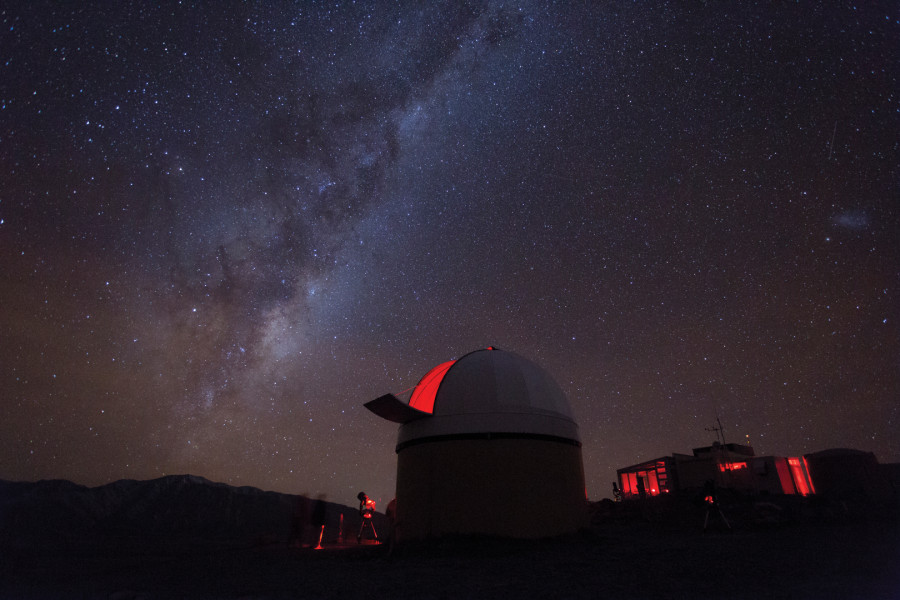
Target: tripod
{"points": [[366, 522]]}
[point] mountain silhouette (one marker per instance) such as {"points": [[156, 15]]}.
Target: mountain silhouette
{"points": [[183, 507]]}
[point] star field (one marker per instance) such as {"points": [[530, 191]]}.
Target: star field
{"points": [[225, 227]]}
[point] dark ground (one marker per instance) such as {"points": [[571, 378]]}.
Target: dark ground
{"points": [[626, 555]]}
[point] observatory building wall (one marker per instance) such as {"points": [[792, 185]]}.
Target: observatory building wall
{"points": [[503, 486]]}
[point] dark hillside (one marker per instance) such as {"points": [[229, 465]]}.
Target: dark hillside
{"points": [[176, 507]]}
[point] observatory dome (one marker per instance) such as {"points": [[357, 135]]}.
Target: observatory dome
{"points": [[489, 391], [487, 445]]}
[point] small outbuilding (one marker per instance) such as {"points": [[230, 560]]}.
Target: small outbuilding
{"points": [[729, 466], [853, 476], [487, 445]]}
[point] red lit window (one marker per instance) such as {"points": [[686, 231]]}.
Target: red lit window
{"points": [[799, 477], [812, 488], [732, 466], [632, 481], [784, 476]]}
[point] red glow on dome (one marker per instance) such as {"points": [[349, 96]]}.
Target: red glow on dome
{"points": [[423, 396]]}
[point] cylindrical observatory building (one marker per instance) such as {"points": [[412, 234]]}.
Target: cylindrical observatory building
{"points": [[487, 445]]}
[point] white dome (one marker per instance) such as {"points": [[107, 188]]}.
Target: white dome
{"points": [[490, 392]]}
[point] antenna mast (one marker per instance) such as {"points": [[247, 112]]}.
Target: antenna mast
{"points": [[720, 431]]}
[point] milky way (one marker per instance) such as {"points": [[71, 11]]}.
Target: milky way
{"points": [[224, 228]]}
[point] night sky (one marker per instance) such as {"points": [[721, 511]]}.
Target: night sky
{"points": [[225, 227]]}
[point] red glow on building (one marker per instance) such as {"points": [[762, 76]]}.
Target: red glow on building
{"points": [[732, 466], [784, 476], [799, 475], [651, 479], [423, 396], [812, 488], [729, 466]]}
